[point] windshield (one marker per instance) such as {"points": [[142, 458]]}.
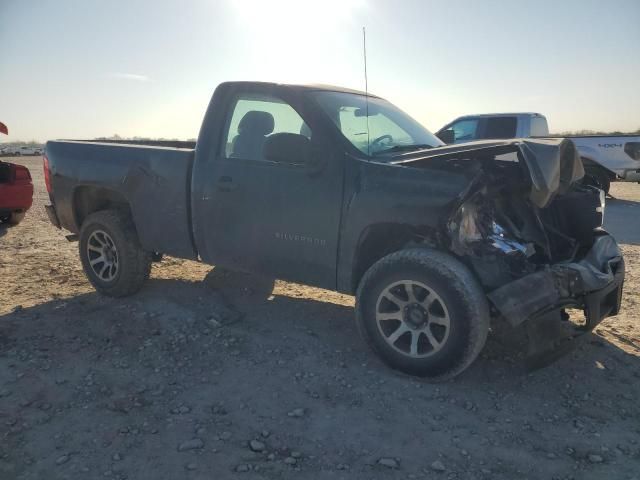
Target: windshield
{"points": [[387, 129]]}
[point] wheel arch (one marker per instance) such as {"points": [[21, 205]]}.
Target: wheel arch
{"points": [[379, 240], [91, 199]]}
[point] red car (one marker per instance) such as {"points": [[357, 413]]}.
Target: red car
{"points": [[16, 190]]}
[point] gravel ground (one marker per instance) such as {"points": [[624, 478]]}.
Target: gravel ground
{"points": [[207, 374]]}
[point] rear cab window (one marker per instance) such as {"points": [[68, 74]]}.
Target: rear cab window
{"points": [[500, 127]]}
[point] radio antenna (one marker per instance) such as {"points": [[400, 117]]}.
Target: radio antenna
{"points": [[366, 86]]}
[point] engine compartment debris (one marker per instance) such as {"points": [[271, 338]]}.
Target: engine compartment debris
{"points": [[533, 235]]}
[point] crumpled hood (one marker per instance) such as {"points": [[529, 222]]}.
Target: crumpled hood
{"points": [[553, 163]]}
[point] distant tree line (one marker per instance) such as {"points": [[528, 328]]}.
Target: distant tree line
{"points": [[159, 139], [31, 143], [596, 132]]}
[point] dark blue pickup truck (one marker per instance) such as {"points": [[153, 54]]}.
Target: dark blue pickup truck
{"points": [[342, 190]]}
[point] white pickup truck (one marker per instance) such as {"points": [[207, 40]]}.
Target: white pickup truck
{"points": [[22, 150], [606, 158]]}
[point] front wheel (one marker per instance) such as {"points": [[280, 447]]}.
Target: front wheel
{"points": [[597, 177], [423, 312], [112, 257]]}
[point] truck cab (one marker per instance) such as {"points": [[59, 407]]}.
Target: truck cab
{"points": [[494, 126]]}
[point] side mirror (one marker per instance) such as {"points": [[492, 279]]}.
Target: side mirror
{"points": [[289, 148], [447, 136]]}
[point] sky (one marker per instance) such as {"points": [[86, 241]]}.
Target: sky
{"points": [[88, 68]]}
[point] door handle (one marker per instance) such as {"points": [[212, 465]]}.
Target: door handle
{"points": [[225, 184]]}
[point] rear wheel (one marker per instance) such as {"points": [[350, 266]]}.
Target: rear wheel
{"points": [[13, 218], [16, 217], [423, 312], [111, 254]]}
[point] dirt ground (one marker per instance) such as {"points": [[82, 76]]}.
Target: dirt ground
{"points": [[212, 375]]}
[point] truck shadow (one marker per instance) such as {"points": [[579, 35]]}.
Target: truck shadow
{"points": [[620, 219], [243, 308], [239, 360], [98, 367], [4, 228]]}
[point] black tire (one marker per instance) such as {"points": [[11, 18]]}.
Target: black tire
{"points": [[459, 297], [597, 177], [15, 218], [133, 264]]}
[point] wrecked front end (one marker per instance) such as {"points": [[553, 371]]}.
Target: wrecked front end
{"points": [[533, 235]]}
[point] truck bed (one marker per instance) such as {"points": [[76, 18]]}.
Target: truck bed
{"points": [[148, 143], [153, 179]]}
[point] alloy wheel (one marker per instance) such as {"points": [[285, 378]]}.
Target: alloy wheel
{"points": [[103, 255], [412, 318]]}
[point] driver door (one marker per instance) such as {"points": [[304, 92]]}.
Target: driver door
{"points": [[278, 219]]}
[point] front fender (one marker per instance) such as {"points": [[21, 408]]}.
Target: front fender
{"points": [[408, 198]]}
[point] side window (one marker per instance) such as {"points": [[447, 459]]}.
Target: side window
{"points": [[501, 127], [465, 130], [254, 119]]}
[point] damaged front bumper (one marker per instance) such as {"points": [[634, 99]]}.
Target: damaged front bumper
{"points": [[532, 234], [538, 300]]}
